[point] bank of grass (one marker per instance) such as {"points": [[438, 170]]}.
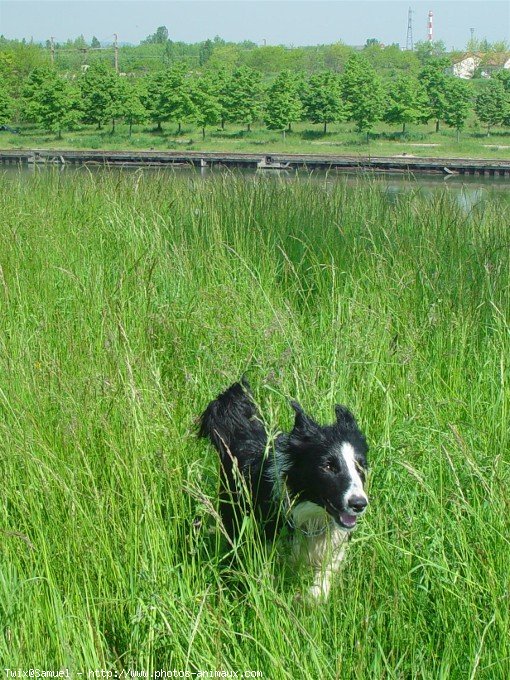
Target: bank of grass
{"points": [[128, 301], [341, 139]]}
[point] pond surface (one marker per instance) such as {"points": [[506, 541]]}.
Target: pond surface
{"points": [[466, 190]]}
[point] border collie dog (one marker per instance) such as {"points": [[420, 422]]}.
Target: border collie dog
{"points": [[310, 480]]}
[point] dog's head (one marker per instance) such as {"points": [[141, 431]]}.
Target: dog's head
{"points": [[327, 465]]}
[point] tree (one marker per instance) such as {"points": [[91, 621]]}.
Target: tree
{"points": [[323, 99], [434, 79], [51, 101], [363, 93], [177, 101], [158, 38], [100, 94], [243, 95], [207, 106], [220, 81], [169, 96], [283, 105], [458, 103], [426, 50], [406, 101], [491, 103], [132, 109], [205, 52], [6, 103], [504, 78], [95, 44], [153, 100]]}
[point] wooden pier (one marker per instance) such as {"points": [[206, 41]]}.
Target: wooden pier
{"points": [[263, 162]]}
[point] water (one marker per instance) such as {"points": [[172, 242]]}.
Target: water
{"points": [[466, 190]]}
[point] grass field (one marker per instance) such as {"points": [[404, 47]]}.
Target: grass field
{"points": [[128, 301], [341, 138]]}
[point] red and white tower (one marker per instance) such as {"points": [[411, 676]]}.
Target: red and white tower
{"points": [[429, 32]]}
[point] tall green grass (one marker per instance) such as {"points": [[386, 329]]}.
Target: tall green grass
{"points": [[128, 301]]}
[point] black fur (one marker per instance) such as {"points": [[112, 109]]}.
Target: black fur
{"points": [[305, 461]]}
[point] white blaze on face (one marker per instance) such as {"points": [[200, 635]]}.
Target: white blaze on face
{"points": [[356, 484]]}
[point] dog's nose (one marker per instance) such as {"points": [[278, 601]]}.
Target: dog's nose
{"points": [[357, 503]]}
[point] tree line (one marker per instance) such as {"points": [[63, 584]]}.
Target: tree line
{"points": [[210, 98]]}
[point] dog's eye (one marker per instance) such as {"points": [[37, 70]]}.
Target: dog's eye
{"points": [[330, 466]]}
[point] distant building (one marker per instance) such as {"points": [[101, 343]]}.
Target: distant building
{"points": [[486, 64], [466, 67]]}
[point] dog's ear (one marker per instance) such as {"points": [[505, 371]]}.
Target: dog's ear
{"points": [[344, 417], [302, 421]]}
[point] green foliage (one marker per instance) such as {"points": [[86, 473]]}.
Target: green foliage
{"points": [[207, 107], [322, 99], [406, 101], [169, 96], [336, 56], [131, 106], [283, 104], [503, 75], [160, 37], [362, 92], [206, 50], [243, 96], [6, 103], [491, 104], [51, 101], [391, 60], [427, 50], [458, 103], [434, 79], [100, 94]]}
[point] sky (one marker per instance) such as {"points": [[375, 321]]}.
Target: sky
{"points": [[271, 22]]}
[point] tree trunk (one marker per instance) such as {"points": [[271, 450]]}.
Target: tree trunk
{"points": [[249, 127], [437, 125], [179, 128], [159, 128], [130, 128], [222, 123], [404, 128], [325, 127], [113, 126], [283, 135], [203, 132], [59, 136], [289, 129]]}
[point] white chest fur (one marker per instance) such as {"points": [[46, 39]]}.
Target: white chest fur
{"points": [[319, 543]]}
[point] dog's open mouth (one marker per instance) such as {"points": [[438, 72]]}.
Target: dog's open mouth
{"points": [[346, 521], [343, 519]]}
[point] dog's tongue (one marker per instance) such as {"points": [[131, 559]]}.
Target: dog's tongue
{"points": [[347, 520]]}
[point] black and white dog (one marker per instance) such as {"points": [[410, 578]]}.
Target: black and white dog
{"points": [[310, 479]]}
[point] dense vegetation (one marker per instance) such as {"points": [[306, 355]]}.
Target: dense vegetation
{"points": [[128, 301], [200, 87]]}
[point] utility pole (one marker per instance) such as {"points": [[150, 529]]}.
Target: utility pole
{"points": [[116, 52], [52, 49], [409, 40]]}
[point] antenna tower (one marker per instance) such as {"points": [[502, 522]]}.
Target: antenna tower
{"points": [[409, 39]]}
